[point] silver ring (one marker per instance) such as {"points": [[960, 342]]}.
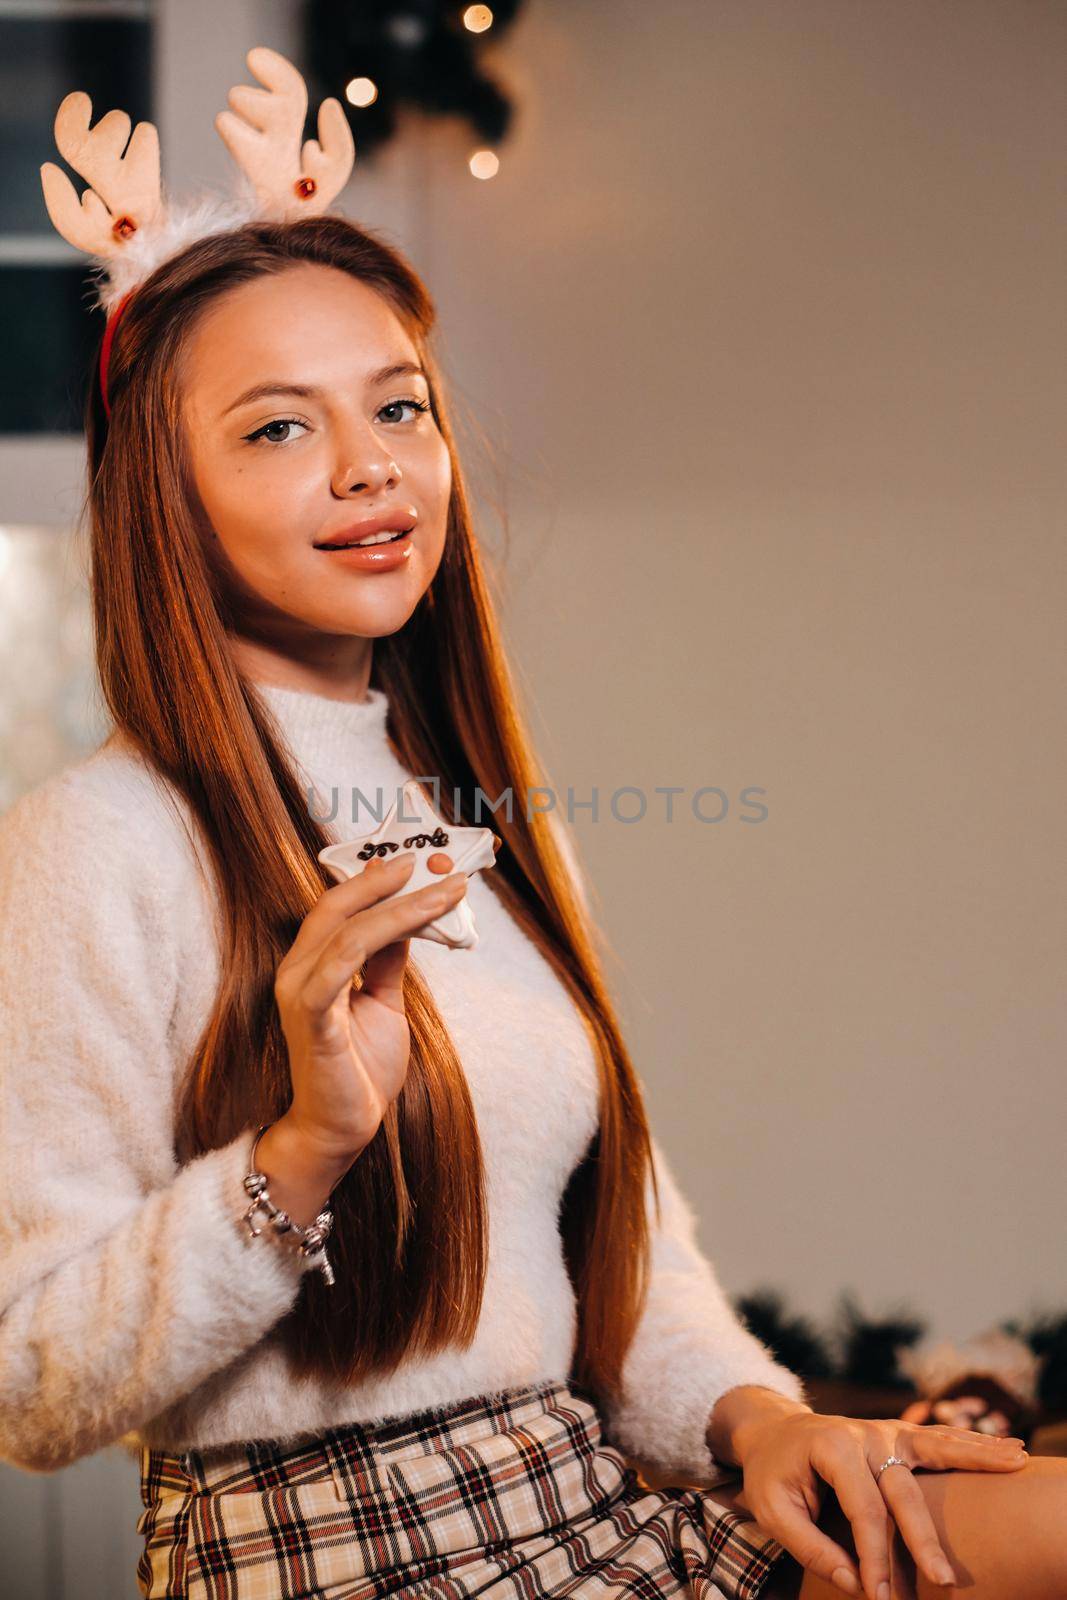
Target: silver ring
{"points": [[891, 1461]]}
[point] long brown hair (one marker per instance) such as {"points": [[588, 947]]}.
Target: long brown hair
{"points": [[409, 1246]]}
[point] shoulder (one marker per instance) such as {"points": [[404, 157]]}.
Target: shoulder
{"points": [[105, 828]]}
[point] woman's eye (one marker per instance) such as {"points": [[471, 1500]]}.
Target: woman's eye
{"points": [[395, 405], [266, 431]]}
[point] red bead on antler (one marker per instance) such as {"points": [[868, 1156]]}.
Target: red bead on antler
{"points": [[263, 131], [123, 178]]}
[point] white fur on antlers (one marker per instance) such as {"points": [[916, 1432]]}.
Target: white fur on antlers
{"points": [[124, 193], [262, 132]]}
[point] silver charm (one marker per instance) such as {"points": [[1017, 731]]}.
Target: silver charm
{"points": [[310, 1240]]}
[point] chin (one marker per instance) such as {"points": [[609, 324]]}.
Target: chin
{"points": [[370, 621]]}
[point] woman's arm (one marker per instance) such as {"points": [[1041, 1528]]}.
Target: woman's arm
{"points": [[737, 1412], [689, 1351], [124, 1281]]}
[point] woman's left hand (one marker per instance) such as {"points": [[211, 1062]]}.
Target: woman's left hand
{"points": [[784, 1457]]}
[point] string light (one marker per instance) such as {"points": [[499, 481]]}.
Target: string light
{"points": [[477, 18], [361, 92], [484, 164]]}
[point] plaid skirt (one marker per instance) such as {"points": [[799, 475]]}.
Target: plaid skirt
{"points": [[515, 1496]]}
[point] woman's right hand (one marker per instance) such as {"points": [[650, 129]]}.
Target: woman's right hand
{"points": [[348, 1052]]}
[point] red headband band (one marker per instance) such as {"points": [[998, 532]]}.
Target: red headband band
{"points": [[105, 349]]}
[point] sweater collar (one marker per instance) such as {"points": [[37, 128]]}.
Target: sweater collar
{"points": [[329, 736], [302, 711]]}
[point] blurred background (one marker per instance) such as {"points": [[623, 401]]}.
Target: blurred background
{"points": [[753, 315]]}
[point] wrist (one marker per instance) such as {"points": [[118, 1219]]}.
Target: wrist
{"points": [[738, 1415], [283, 1221], [301, 1175], [320, 1146]]}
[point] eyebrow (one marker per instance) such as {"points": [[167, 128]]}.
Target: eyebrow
{"points": [[310, 391]]}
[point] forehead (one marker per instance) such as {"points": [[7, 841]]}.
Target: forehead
{"points": [[308, 323]]}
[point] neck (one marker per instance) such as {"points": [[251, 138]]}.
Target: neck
{"points": [[335, 673]]}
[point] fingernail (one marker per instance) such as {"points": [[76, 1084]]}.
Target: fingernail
{"points": [[844, 1580], [943, 1572], [883, 1591]]}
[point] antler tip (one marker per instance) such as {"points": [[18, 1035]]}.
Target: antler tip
{"points": [[260, 52]]}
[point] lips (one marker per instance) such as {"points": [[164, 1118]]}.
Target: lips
{"points": [[391, 522]]}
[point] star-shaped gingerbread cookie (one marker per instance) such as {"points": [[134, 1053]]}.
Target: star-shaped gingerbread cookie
{"points": [[413, 824]]}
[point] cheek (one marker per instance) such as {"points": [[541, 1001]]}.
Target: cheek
{"points": [[257, 511], [433, 482]]}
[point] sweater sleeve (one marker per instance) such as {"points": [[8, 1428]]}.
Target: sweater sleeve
{"points": [[125, 1281], [689, 1349]]}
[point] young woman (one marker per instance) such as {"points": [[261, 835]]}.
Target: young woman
{"points": [[518, 1300]]}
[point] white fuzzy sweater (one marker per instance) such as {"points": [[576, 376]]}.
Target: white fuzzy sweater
{"points": [[133, 1307]]}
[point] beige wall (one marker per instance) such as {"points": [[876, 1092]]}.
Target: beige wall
{"points": [[763, 321]]}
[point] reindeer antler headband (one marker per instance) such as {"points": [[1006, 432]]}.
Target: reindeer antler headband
{"points": [[124, 222]]}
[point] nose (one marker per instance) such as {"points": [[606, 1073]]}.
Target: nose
{"points": [[371, 470]]}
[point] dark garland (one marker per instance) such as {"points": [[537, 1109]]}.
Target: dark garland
{"points": [[416, 52], [862, 1350]]}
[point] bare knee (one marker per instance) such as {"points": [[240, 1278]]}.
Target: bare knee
{"points": [[1004, 1533]]}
